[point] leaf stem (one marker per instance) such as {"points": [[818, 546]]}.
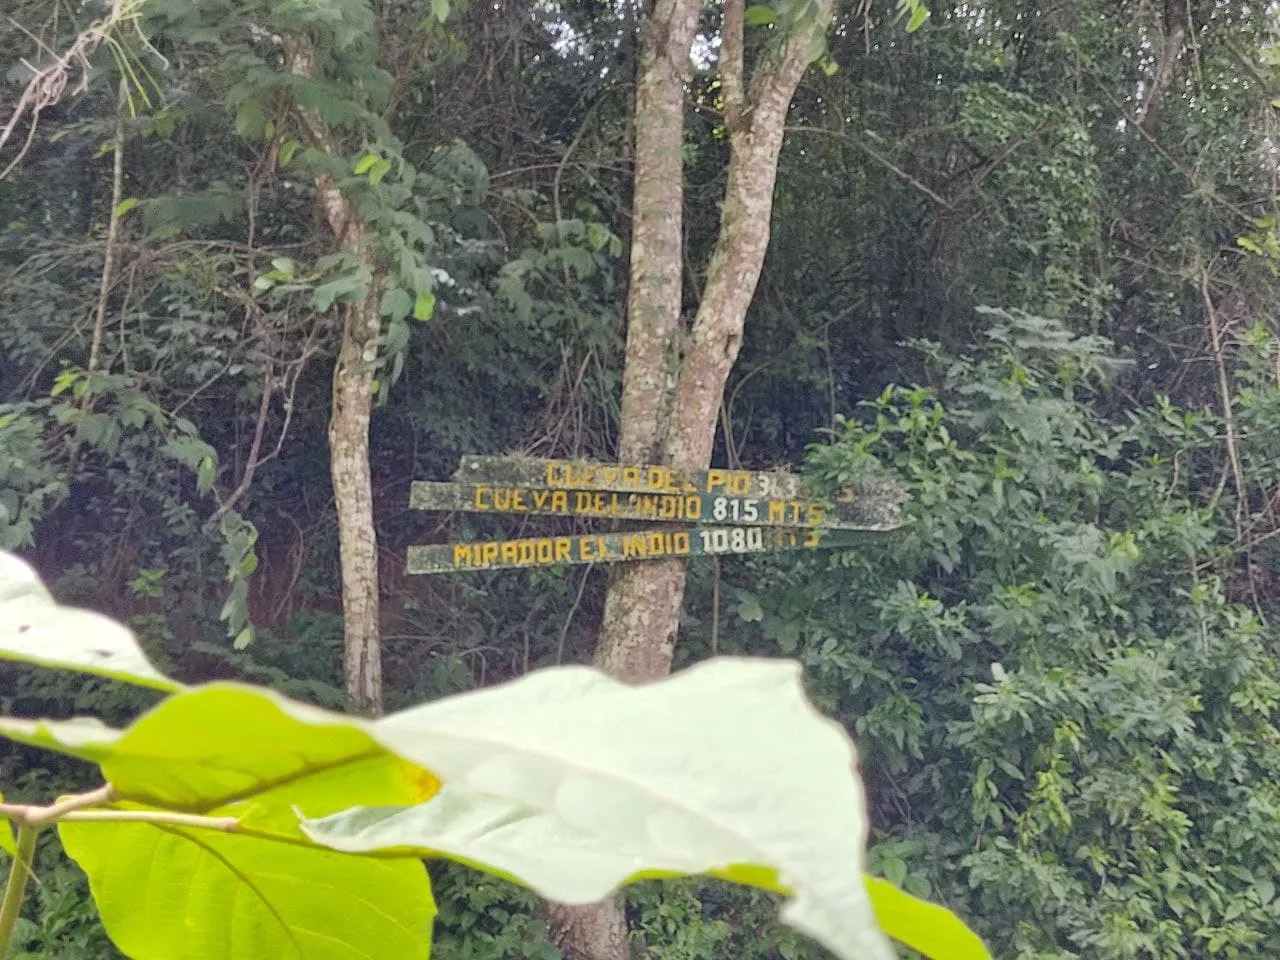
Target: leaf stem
{"points": [[154, 817], [37, 816], [16, 889]]}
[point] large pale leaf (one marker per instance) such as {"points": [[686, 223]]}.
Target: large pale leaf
{"points": [[171, 891], [574, 783], [36, 629], [85, 737]]}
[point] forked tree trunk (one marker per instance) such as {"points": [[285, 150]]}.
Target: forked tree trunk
{"points": [[352, 405], [672, 385]]}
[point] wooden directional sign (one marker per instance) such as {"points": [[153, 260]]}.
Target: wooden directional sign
{"points": [[748, 512], [618, 547], [674, 507]]}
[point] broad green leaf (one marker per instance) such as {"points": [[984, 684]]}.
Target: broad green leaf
{"points": [[366, 162], [348, 286], [574, 783], [933, 930], [757, 15], [205, 475], [380, 169], [124, 206], [7, 842], [166, 891], [36, 629], [424, 305], [918, 17], [440, 10], [249, 752], [749, 608], [396, 303]]}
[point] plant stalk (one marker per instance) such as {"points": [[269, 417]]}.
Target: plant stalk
{"points": [[16, 889]]}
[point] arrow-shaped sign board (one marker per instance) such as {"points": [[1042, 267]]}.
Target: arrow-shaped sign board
{"points": [[672, 507], [619, 547], [624, 478]]}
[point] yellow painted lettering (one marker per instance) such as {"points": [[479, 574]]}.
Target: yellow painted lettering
{"points": [[680, 542], [739, 484], [656, 547], [540, 498], [542, 548], [488, 554], [585, 549], [484, 498], [510, 551], [528, 552], [692, 508], [462, 555], [559, 501], [815, 515], [603, 550], [563, 546], [582, 502], [631, 476], [777, 511], [715, 478]]}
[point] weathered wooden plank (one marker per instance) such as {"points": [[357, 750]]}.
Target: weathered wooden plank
{"points": [[624, 478], [619, 547], [874, 503], [672, 507]]}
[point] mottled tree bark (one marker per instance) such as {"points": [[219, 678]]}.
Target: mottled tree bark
{"points": [[352, 405], [1173, 33], [353, 498], [672, 390]]}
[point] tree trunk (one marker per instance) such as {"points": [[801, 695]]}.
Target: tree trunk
{"points": [[671, 396], [353, 376], [353, 499]]}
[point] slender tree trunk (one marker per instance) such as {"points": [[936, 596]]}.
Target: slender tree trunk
{"points": [[1173, 29], [671, 391], [353, 376], [353, 498]]}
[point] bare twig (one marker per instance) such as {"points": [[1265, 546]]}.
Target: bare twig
{"points": [[48, 84], [252, 463], [878, 158], [564, 630], [113, 230], [1224, 394]]}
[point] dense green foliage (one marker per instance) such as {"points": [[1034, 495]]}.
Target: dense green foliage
{"points": [[1061, 674]]}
